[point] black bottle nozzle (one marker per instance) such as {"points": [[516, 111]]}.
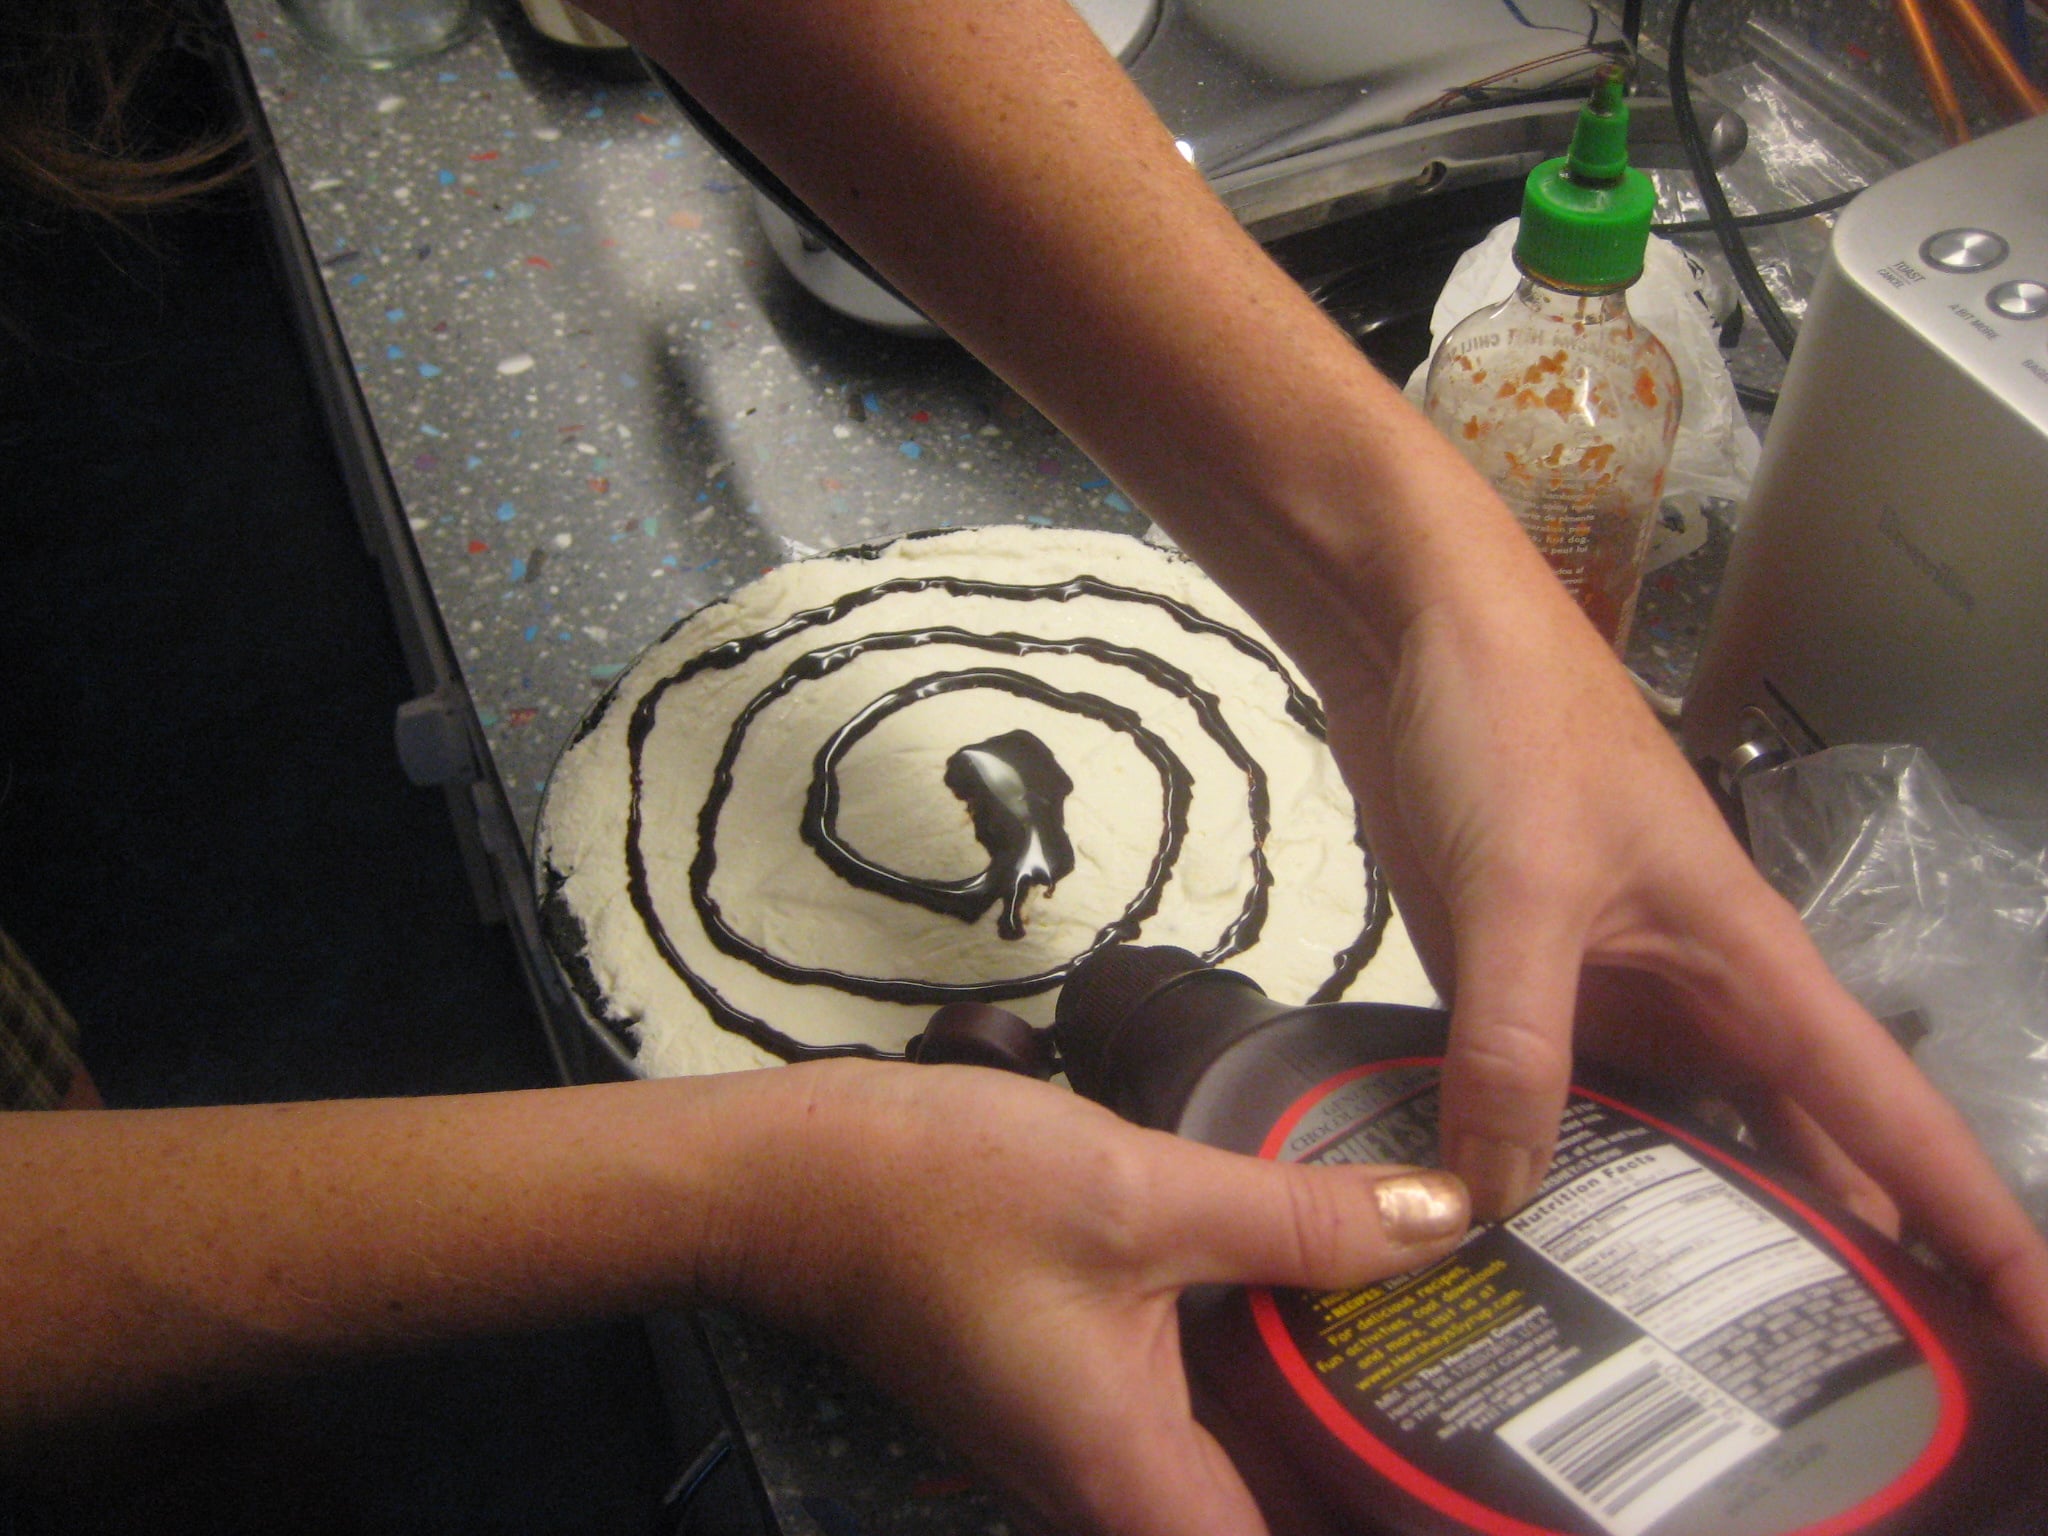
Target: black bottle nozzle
{"points": [[983, 1035]]}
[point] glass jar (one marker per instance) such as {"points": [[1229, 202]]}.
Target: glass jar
{"points": [[379, 34]]}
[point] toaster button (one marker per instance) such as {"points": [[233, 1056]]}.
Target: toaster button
{"points": [[1965, 250], [2020, 300]]}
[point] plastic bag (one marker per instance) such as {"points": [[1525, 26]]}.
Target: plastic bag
{"points": [[1716, 450], [1936, 919]]}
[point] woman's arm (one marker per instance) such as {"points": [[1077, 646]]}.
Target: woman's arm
{"points": [[1541, 831], [1002, 1254]]}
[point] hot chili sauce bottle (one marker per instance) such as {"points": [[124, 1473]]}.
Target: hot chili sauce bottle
{"points": [[1560, 397]]}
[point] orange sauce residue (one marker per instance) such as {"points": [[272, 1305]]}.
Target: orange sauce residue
{"points": [[1597, 456], [1559, 399], [1646, 389]]}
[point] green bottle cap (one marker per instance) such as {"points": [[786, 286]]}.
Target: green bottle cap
{"points": [[1586, 217]]}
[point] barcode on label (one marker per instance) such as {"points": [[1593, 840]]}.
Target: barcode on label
{"points": [[1634, 1437]]}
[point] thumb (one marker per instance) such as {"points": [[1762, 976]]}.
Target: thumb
{"points": [[1244, 1220], [1508, 1066]]}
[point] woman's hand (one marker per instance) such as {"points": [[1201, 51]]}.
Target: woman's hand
{"points": [[1556, 860], [1005, 1257], [1001, 1254]]}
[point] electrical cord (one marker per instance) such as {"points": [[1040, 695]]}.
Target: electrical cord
{"points": [[1761, 220], [1720, 216], [2019, 35], [676, 1502]]}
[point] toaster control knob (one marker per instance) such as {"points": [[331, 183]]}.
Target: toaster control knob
{"points": [[1965, 250], [2019, 300]]}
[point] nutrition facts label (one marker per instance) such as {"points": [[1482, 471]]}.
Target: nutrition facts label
{"points": [[1613, 1353], [1671, 1245]]}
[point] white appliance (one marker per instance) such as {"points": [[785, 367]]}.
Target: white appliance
{"points": [[1889, 580]]}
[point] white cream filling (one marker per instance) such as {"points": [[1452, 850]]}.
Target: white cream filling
{"points": [[777, 894]]}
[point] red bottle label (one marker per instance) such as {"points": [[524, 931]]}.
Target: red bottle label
{"points": [[1661, 1341]]}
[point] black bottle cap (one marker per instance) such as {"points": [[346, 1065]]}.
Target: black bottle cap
{"points": [[1106, 989]]}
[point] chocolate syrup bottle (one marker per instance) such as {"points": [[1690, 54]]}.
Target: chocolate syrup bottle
{"points": [[1668, 1340]]}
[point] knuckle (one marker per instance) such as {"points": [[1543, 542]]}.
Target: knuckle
{"points": [[1510, 1056], [1118, 1190], [1320, 1220]]}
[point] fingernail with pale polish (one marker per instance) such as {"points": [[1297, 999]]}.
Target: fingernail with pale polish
{"points": [[1497, 1172], [1421, 1207]]}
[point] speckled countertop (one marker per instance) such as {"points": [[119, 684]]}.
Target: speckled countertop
{"points": [[602, 401]]}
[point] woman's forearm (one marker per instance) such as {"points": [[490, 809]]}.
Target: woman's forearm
{"points": [[146, 1249], [996, 163]]}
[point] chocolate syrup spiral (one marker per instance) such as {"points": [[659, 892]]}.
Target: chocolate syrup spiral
{"points": [[1016, 795], [1178, 783], [1014, 790]]}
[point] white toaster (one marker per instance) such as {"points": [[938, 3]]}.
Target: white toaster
{"points": [[1889, 578]]}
